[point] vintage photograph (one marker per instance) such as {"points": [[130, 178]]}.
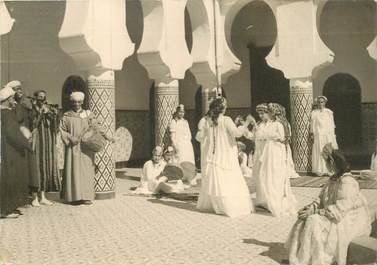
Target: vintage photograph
{"points": [[193, 132]]}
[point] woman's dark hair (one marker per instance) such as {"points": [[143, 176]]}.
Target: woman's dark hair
{"points": [[340, 162], [216, 107]]}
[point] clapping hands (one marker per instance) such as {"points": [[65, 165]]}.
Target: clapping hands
{"points": [[250, 120]]}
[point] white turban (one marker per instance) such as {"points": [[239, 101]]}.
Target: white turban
{"points": [[77, 96], [6, 93], [14, 83]]}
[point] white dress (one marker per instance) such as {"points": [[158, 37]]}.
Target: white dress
{"points": [[324, 239], [274, 191], [323, 129], [181, 138], [224, 189], [149, 174]]}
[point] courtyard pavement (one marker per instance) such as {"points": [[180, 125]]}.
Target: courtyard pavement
{"points": [[144, 230]]}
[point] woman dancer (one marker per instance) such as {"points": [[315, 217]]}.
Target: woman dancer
{"points": [[259, 137], [325, 227], [281, 116], [322, 132], [181, 137], [273, 177], [224, 189]]}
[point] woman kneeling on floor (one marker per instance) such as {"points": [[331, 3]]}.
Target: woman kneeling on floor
{"points": [[325, 227]]}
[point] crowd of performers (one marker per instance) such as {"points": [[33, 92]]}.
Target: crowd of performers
{"points": [[324, 228], [30, 167]]}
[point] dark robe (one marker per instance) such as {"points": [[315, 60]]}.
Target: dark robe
{"points": [[14, 178], [45, 158]]}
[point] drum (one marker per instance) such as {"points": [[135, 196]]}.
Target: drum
{"points": [[172, 172], [189, 170]]}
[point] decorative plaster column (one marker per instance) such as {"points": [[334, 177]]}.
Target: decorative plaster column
{"points": [[301, 107], [102, 104], [166, 99], [94, 34]]}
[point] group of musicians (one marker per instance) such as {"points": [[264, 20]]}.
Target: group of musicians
{"points": [[29, 163]]}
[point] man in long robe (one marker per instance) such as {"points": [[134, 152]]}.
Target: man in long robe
{"points": [[44, 126], [14, 170]]}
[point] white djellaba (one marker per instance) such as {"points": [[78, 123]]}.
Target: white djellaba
{"points": [[322, 127]]}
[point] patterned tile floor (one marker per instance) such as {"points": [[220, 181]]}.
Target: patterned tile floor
{"points": [[142, 230]]}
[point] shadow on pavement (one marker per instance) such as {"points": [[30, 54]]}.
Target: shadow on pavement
{"points": [[276, 250]]}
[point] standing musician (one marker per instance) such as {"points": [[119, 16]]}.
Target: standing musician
{"points": [[44, 120]]}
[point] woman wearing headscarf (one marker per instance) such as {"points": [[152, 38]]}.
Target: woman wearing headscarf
{"points": [[322, 129], [325, 227], [181, 137], [15, 142], [78, 173], [223, 189], [273, 177]]}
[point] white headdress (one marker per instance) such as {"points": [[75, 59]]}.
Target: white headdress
{"points": [[77, 96], [157, 150], [6, 92], [13, 84]]}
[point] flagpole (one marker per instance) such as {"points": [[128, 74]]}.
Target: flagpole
{"points": [[218, 76]]}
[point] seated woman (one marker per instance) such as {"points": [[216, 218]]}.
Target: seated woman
{"points": [[152, 179], [325, 227], [372, 173]]}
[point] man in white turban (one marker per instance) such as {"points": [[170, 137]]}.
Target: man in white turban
{"points": [[14, 164], [6, 93], [77, 96]]}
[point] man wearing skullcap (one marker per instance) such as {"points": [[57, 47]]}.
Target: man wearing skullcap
{"points": [[322, 131], [14, 165]]}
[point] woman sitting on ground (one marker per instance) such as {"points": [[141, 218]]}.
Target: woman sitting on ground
{"points": [[152, 179], [325, 227]]}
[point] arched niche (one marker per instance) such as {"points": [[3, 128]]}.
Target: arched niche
{"points": [[252, 37], [348, 28], [343, 92]]}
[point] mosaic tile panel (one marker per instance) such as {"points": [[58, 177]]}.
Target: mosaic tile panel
{"points": [[166, 101], [101, 103], [369, 126], [301, 107]]}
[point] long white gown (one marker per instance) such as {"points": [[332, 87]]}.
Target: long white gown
{"points": [[224, 189], [259, 136], [323, 239], [323, 129], [274, 191], [181, 138]]}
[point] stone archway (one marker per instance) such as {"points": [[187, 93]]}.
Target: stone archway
{"points": [[344, 99], [253, 35]]}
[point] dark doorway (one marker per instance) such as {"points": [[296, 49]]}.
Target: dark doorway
{"points": [[343, 92], [254, 33], [267, 84]]}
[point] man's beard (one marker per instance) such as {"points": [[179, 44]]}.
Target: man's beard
{"points": [[18, 97]]}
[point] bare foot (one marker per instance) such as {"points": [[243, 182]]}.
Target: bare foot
{"points": [[35, 203], [46, 202], [12, 215]]}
